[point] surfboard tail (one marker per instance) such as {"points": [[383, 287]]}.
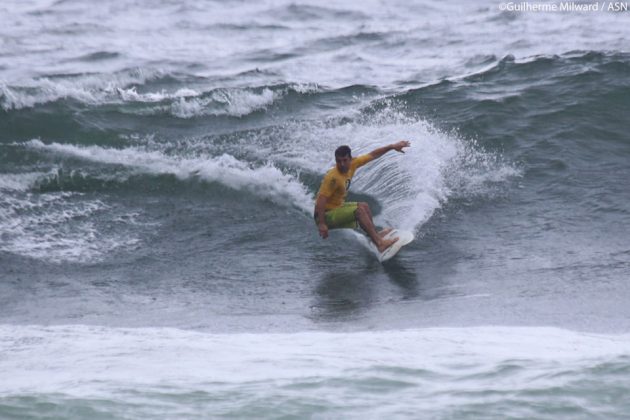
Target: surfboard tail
{"points": [[404, 238]]}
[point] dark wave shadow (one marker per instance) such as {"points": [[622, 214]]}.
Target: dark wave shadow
{"points": [[342, 296]]}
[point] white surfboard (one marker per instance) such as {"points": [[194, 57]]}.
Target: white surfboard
{"points": [[404, 238]]}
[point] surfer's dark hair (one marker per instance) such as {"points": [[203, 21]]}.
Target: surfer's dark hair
{"points": [[343, 151]]}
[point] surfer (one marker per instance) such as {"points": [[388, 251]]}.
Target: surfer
{"points": [[331, 210]]}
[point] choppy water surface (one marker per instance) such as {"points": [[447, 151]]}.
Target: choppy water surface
{"points": [[158, 166]]}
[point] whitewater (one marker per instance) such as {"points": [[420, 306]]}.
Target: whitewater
{"points": [[159, 163]]}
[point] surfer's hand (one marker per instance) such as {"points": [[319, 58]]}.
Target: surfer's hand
{"points": [[323, 230], [399, 146]]}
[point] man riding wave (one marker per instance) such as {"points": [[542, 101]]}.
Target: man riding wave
{"points": [[331, 210]]}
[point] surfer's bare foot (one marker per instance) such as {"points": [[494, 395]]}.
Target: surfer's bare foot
{"points": [[384, 232], [386, 243]]}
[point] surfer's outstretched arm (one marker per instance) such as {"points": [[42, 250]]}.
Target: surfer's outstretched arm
{"points": [[377, 153]]}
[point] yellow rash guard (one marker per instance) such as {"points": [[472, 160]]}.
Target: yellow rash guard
{"points": [[335, 184]]}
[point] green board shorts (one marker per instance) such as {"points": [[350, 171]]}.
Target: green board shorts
{"points": [[342, 217]]}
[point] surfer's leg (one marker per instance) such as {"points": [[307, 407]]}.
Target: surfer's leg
{"points": [[382, 232], [367, 208], [364, 218]]}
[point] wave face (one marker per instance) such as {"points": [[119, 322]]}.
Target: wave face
{"points": [[159, 163]]}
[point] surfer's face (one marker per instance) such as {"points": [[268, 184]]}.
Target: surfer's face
{"points": [[343, 163]]}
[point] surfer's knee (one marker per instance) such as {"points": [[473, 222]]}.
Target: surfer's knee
{"points": [[365, 207], [362, 210]]}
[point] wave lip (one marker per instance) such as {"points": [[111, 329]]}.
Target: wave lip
{"points": [[132, 90], [189, 103], [92, 89], [21, 181], [266, 181], [235, 103]]}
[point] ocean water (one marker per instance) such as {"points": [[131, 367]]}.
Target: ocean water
{"points": [[158, 167]]}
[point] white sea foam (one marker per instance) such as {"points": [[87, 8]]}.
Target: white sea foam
{"points": [[91, 88], [57, 227], [131, 95], [188, 108], [428, 371], [20, 182], [326, 45], [475, 173], [113, 89], [241, 102], [266, 181], [231, 102]]}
